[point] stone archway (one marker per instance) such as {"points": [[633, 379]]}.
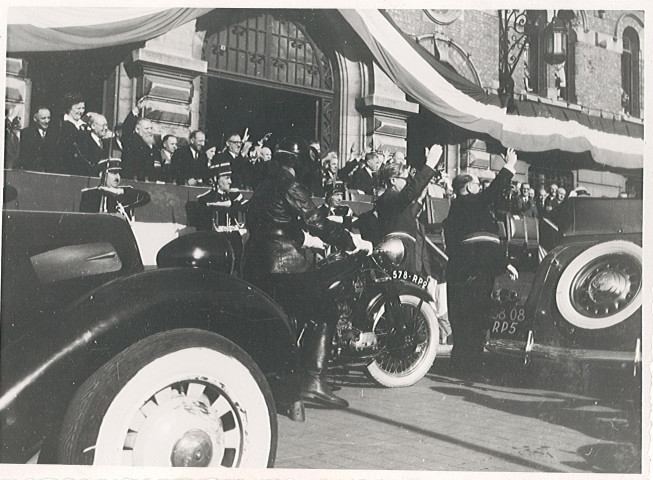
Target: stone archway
{"points": [[263, 57]]}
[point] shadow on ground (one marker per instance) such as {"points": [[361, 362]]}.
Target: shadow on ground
{"points": [[593, 401]]}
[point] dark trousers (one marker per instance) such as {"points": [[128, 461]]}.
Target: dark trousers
{"points": [[468, 301]]}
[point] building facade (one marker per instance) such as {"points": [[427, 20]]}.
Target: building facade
{"points": [[305, 72]]}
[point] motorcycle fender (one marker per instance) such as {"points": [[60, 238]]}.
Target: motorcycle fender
{"points": [[401, 288], [55, 358]]}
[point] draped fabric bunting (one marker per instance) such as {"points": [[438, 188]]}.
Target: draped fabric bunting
{"points": [[43, 29], [50, 29], [407, 68]]}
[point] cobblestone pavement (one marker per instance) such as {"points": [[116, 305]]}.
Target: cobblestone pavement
{"points": [[545, 420]]}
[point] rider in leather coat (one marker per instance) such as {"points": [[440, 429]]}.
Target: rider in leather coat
{"points": [[282, 219]]}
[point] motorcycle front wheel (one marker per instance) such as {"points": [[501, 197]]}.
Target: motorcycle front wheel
{"points": [[405, 355]]}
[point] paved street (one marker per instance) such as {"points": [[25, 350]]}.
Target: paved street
{"points": [[549, 421]]}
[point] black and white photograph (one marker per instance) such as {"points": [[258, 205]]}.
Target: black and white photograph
{"points": [[321, 240]]}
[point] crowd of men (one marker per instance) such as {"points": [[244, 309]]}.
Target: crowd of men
{"points": [[281, 210]]}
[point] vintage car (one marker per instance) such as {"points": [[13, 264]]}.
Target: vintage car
{"points": [[106, 362], [579, 296]]}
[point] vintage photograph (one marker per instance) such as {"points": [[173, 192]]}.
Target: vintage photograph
{"points": [[328, 240]]}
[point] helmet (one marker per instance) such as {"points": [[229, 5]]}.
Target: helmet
{"points": [[292, 152]]}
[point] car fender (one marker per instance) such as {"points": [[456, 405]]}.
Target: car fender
{"points": [[53, 359], [554, 322]]}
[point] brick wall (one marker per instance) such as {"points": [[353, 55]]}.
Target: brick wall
{"points": [[475, 31], [598, 77], [598, 56]]}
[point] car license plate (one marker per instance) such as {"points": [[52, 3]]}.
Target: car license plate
{"points": [[410, 277], [506, 320]]}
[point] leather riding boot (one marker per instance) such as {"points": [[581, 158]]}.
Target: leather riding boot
{"points": [[315, 354]]}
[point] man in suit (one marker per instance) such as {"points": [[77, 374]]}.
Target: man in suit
{"points": [[523, 204], [110, 196], [38, 142], [139, 154], [169, 147], [329, 171], [366, 179], [188, 164], [333, 207], [93, 146], [475, 259], [400, 205], [233, 154]]}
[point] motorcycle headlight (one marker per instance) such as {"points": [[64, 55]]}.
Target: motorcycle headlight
{"points": [[393, 249]]}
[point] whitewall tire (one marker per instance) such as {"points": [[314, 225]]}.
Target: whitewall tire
{"points": [[402, 367], [602, 286], [179, 398]]}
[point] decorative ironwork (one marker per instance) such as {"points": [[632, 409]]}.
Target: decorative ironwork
{"points": [[267, 47], [326, 124], [514, 28], [238, 30], [278, 63]]}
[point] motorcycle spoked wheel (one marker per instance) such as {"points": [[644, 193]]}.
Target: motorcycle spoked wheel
{"points": [[402, 362]]}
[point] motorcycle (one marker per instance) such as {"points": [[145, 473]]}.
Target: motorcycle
{"points": [[387, 322]]}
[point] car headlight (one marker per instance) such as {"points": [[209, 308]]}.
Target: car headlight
{"points": [[393, 249]]}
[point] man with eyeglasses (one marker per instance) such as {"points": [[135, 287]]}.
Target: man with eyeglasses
{"points": [[523, 204], [399, 209], [233, 155], [93, 147], [475, 259]]}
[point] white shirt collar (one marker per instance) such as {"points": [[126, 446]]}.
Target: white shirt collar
{"points": [[77, 123]]}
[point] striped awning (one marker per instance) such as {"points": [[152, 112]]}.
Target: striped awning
{"points": [[535, 127]]}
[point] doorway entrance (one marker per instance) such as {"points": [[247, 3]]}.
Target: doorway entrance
{"points": [[235, 106], [54, 74], [266, 73]]}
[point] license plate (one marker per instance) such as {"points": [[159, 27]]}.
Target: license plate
{"points": [[410, 277], [506, 320]]}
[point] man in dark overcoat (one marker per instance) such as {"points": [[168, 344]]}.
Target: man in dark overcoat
{"points": [[38, 142], [401, 204], [476, 257], [139, 152]]}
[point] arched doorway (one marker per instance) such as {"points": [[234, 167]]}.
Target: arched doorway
{"points": [[266, 74]]}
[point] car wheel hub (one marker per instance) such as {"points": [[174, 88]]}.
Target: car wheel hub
{"points": [[194, 449], [606, 287], [181, 432]]}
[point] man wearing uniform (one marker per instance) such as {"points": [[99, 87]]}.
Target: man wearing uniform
{"points": [[333, 207], [110, 196], [282, 221], [220, 204], [475, 259]]}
